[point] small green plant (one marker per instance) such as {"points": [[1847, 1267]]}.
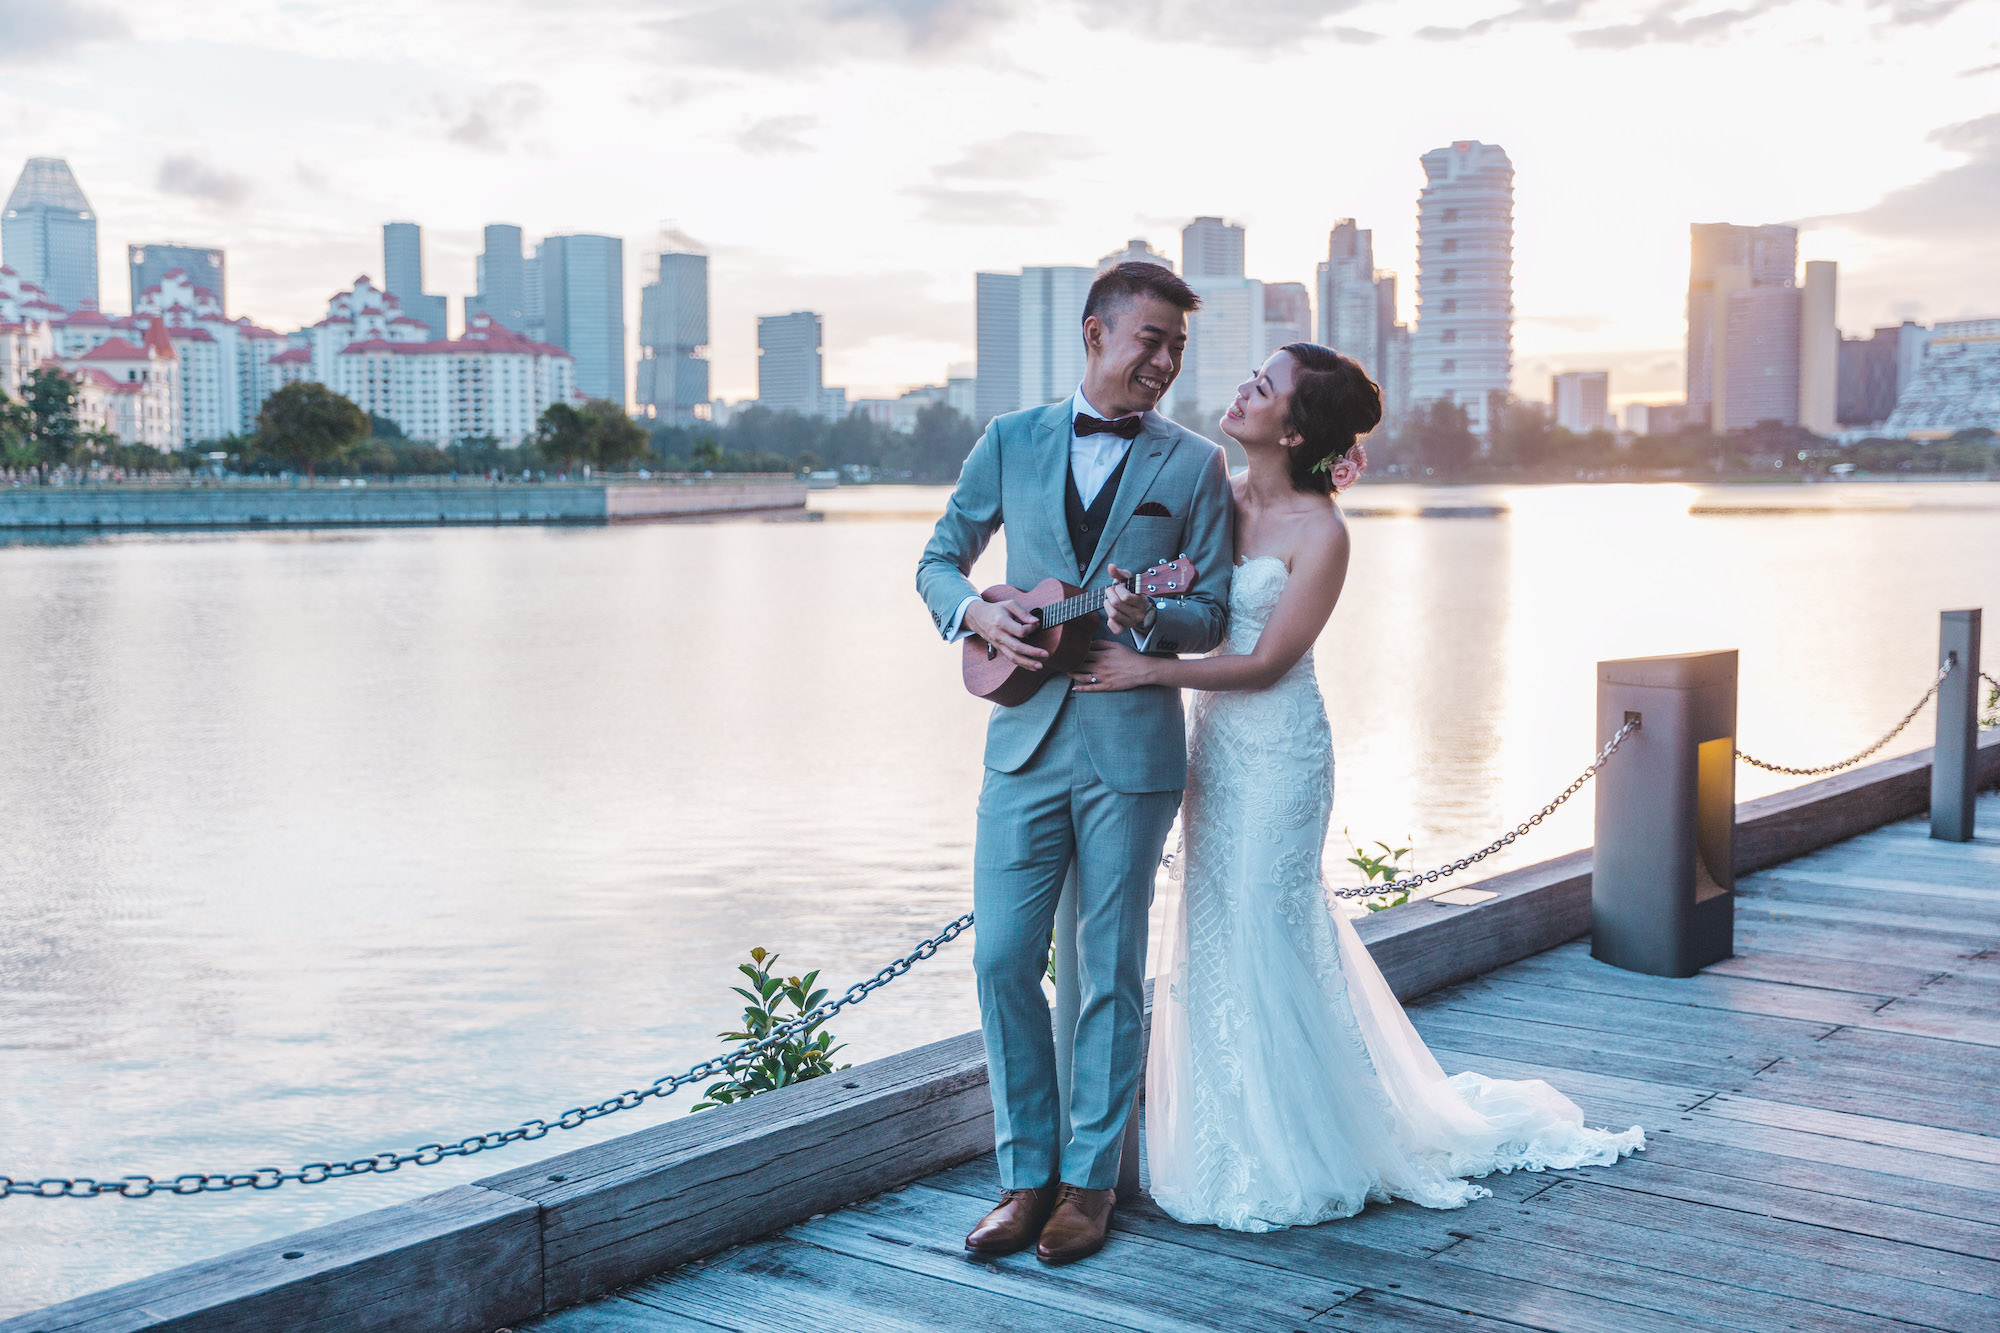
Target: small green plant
{"points": [[1991, 717], [1386, 866], [807, 1053]]}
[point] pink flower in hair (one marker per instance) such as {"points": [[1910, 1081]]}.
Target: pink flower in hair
{"points": [[1360, 456], [1344, 474]]}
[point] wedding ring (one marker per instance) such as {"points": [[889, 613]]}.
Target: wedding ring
{"points": [[1093, 680]]}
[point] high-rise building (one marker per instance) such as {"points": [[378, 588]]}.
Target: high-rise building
{"points": [[1051, 338], [1211, 248], [1463, 347], [1742, 277], [500, 278], [997, 336], [48, 234], [1875, 369], [1287, 315], [575, 295], [1136, 251], [1956, 385], [789, 364], [204, 266], [1819, 350], [673, 340], [1350, 316], [1582, 400], [403, 276]]}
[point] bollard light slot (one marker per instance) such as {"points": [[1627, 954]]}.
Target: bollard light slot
{"points": [[1632, 720]]}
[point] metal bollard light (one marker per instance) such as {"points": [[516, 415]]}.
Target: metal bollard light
{"points": [[1662, 878], [1069, 1005], [1953, 761]]}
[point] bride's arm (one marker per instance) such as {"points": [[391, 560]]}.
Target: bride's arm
{"points": [[1318, 571]]}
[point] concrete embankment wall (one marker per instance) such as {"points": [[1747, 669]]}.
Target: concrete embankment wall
{"points": [[546, 1235], [389, 504]]}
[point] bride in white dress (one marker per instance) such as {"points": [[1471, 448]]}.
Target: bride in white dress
{"points": [[1285, 1086]]}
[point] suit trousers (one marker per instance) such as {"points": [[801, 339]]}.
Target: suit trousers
{"points": [[1032, 823]]}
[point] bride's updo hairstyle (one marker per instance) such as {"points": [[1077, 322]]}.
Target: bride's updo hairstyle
{"points": [[1333, 405]]}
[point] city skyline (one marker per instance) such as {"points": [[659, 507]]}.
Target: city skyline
{"points": [[1010, 173]]}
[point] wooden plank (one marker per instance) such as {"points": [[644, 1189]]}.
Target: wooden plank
{"points": [[1653, 1020], [1395, 1313], [1678, 1300], [613, 1314], [1836, 1087], [1810, 1268], [1937, 931], [1753, 1232], [1971, 1064], [461, 1258], [1868, 1216], [1707, 990], [1618, 1098], [1331, 1248], [1927, 1018], [1835, 1152], [781, 1282], [1929, 894], [633, 1206], [1425, 945], [1721, 1158], [921, 1228], [1771, 961], [1860, 1128]]}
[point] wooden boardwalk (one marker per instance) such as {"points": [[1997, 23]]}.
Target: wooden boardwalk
{"points": [[1823, 1122]]}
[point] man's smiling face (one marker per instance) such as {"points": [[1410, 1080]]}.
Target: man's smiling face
{"points": [[1135, 355]]}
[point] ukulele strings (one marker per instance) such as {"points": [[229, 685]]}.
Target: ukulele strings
{"points": [[1070, 608]]}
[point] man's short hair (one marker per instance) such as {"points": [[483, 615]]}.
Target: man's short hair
{"points": [[1117, 285]]}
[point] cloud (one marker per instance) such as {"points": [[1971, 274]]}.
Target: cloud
{"points": [[1232, 25], [35, 30], [1664, 25], [782, 36], [1618, 25], [1023, 155], [776, 134], [1956, 204], [190, 177], [493, 121], [1534, 11], [982, 208], [1983, 69]]}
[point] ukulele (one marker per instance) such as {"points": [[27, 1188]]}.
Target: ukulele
{"points": [[1057, 607]]}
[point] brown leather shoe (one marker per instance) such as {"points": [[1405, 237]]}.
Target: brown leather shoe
{"points": [[1075, 1230], [1015, 1223]]}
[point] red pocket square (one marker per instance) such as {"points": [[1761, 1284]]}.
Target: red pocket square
{"points": [[1152, 509]]}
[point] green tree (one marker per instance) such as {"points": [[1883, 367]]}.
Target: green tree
{"points": [[17, 426], [936, 449], [563, 435], [54, 434], [1440, 440], [307, 424], [1525, 437], [611, 438]]}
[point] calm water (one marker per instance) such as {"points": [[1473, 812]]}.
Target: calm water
{"points": [[319, 845]]}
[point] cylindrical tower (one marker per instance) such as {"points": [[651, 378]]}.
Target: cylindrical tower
{"points": [[1463, 348]]}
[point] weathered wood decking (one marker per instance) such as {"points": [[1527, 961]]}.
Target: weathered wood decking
{"points": [[1823, 1153]]}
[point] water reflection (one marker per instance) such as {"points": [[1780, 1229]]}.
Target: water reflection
{"points": [[319, 844]]}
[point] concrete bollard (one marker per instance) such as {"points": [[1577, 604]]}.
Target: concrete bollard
{"points": [[1662, 879], [1069, 1004], [1957, 754]]}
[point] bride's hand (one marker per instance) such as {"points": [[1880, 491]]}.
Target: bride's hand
{"points": [[1112, 666]]}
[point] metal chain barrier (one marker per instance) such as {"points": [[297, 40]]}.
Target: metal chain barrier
{"points": [[430, 1154], [1894, 731], [1505, 839]]}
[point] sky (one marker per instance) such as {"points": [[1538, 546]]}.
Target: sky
{"points": [[864, 158]]}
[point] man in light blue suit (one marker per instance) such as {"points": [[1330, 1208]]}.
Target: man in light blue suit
{"points": [[1088, 489]]}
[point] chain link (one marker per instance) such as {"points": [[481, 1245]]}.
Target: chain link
{"points": [[430, 1154], [1949, 662], [1505, 839]]}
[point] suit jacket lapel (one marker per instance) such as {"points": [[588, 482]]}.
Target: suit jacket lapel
{"points": [[1150, 450], [1052, 444]]}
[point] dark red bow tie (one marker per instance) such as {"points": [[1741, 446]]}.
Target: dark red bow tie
{"points": [[1125, 428]]}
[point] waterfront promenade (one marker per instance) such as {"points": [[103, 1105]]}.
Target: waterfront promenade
{"points": [[1823, 1153], [258, 503]]}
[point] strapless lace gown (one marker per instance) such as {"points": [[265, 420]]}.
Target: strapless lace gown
{"points": [[1285, 1085]]}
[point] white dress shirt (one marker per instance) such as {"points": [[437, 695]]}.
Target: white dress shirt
{"points": [[1092, 460]]}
